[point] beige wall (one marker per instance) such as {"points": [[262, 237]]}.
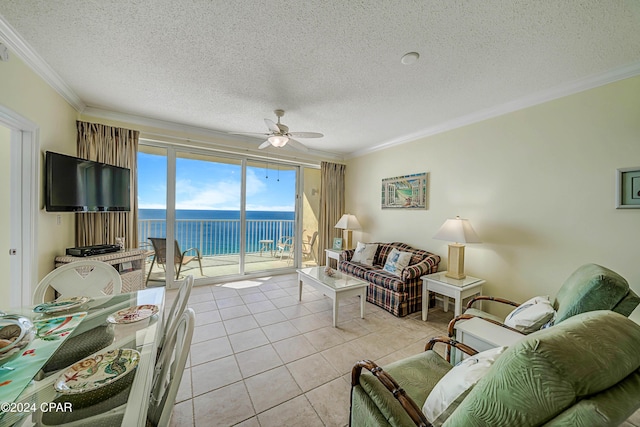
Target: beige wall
{"points": [[538, 185], [22, 91]]}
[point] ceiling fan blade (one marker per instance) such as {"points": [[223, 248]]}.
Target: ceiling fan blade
{"points": [[306, 134], [296, 145], [264, 145], [273, 127], [248, 133]]}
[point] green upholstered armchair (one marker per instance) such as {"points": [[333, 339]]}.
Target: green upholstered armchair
{"points": [[582, 372], [591, 287]]}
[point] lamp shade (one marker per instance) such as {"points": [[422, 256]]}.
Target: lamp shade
{"points": [[457, 230], [348, 222]]}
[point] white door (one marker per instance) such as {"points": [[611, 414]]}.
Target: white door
{"points": [[6, 266], [19, 174]]}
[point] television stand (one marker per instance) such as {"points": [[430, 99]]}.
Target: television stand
{"points": [[129, 263]]}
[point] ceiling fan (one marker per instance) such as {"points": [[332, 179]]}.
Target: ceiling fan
{"points": [[279, 134]]}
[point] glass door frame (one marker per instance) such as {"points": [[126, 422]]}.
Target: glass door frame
{"points": [[172, 150]]}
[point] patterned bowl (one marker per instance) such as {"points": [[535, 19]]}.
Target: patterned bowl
{"points": [[16, 333]]}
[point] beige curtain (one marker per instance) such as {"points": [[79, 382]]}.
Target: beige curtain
{"points": [[331, 205], [118, 147]]}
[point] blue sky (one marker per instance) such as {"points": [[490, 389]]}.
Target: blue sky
{"points": [[211, 185]]}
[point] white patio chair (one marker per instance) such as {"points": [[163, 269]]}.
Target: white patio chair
{"points": [[284, 247], [85, 278], [308, 247]]}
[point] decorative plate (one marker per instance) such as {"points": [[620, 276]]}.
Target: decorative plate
{"points": [[133, 314], [97, 371], [62, 304]]}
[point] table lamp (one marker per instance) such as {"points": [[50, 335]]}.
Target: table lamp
{"points": [[348, 222], [458, 231]]}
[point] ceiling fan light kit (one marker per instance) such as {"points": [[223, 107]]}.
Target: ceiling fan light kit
{"points": [[279, 134], [278, 141]]}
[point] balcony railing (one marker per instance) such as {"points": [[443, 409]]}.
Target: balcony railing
{"points": [[218, 236]]}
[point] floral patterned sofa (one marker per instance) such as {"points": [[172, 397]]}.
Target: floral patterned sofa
{"points": [[399, 294]]}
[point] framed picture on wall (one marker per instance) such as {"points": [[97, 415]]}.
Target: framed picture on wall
{"points": [[405, 192], [337, 243], [628, 188]]}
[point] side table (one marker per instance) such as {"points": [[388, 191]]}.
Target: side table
{"points": [[481, 335], [266, 245], [129, 263], [332, 254], [458, 289]]}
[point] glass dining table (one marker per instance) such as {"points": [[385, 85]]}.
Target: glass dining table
{"points": [[113, 324]]}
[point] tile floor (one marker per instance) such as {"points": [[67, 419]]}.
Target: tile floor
{"points": [[259, 357]]}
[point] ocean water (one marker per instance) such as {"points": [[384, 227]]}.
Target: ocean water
{"points": [[217, 232], [213, 214]]}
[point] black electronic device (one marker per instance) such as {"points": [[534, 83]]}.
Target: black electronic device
{"points": [[78, 185], [92, 250]]}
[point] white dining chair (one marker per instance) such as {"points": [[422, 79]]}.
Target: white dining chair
{"points": [[169, 370], [177, 308], [85, 278]]}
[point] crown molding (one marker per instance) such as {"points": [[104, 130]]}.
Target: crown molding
{"points": [[24, 51], [210, 136], [576, 86], [166, 125]]}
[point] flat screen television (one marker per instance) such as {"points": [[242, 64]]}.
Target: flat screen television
{"points": [[78, 185]]}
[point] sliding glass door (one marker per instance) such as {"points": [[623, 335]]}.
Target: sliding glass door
{"points": [[229, 216], [152, 208], [208, 204], [270, 216]]}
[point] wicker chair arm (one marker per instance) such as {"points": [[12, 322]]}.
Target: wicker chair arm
{"points": [[488, 298], [449, 342], [452, 326], [452, 323], [412, 409]]}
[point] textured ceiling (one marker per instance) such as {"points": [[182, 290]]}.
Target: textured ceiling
{"points": [[334, 66]]}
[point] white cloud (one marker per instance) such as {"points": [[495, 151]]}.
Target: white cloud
{"points": [[282, 208], [221, 195], [255, 184], [217, 195], [143, 205]]}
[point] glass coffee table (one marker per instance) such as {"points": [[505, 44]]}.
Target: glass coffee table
{"points": [[337, 286]]}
